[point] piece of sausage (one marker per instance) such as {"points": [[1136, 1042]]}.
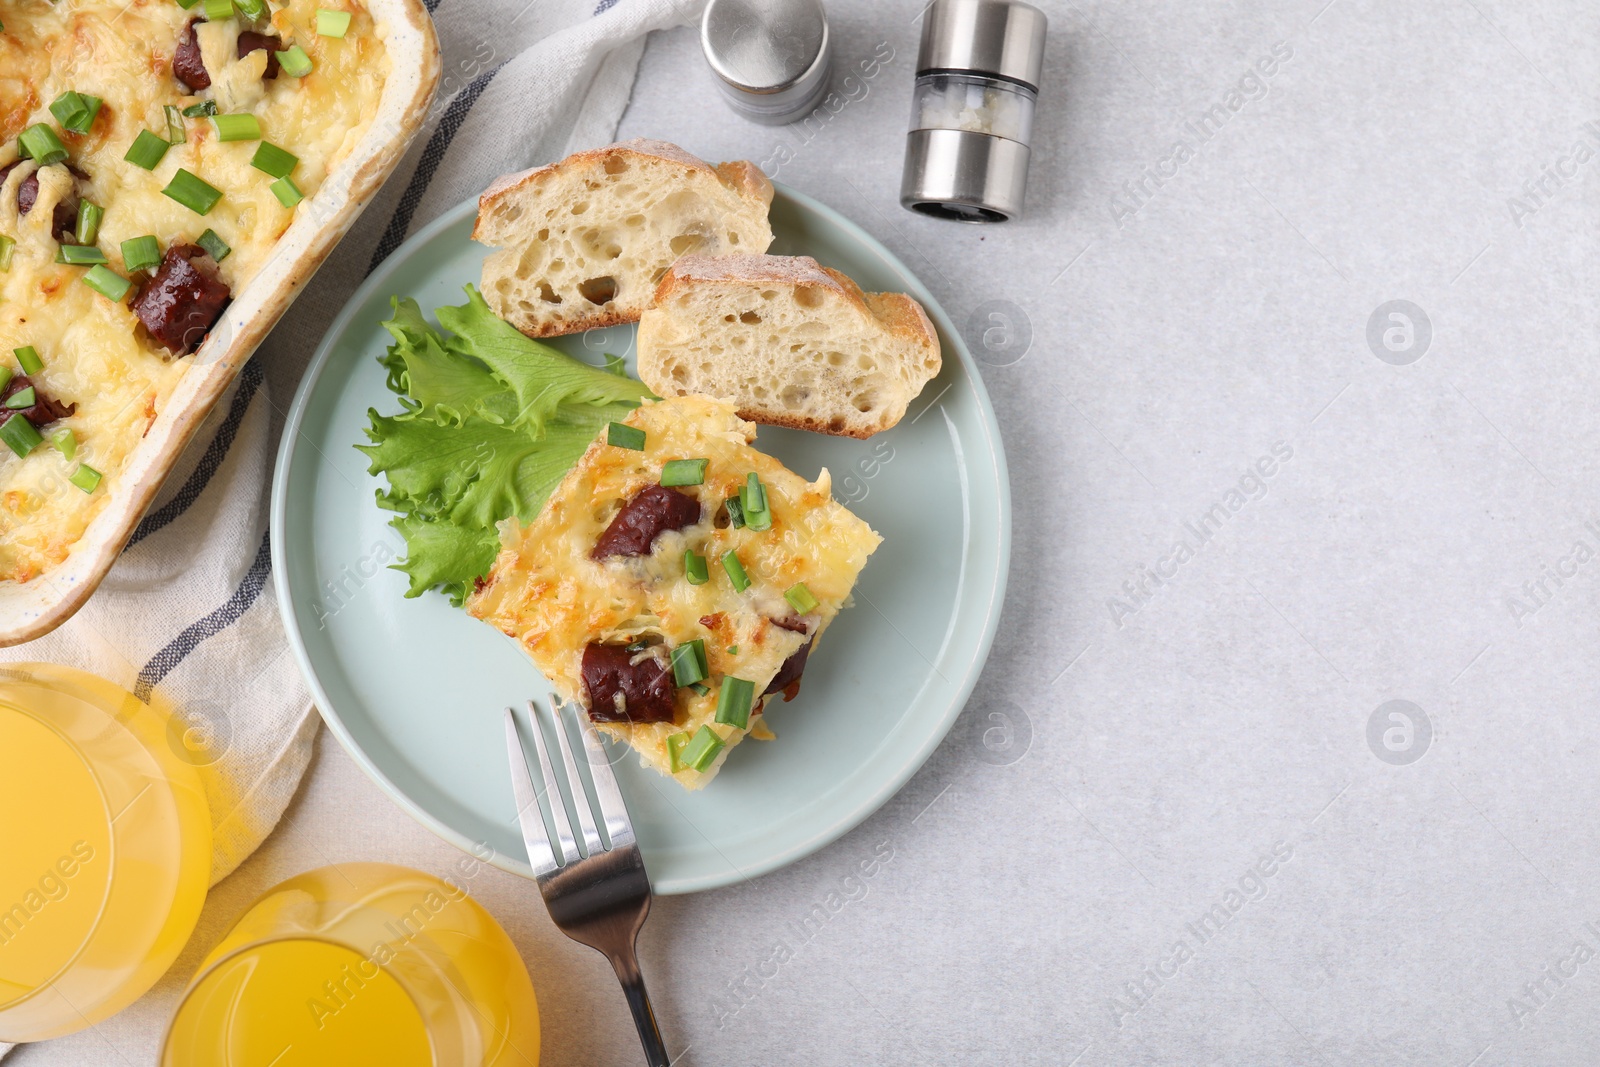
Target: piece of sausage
{"points": [[64, 219], [645, 688], [183, 300], [43, 410], [653, 509], [250, 40], [187, 64], [787, 680], [27, 193]]}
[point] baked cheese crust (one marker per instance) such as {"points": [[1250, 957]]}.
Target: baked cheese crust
{"points": [[547, 593], [95, 353]]}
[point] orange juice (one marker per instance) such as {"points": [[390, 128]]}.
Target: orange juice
{"points": [[300, 1002], [354, 965], [105, 850]]}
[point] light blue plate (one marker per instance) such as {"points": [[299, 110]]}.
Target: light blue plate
{"points": [[414, 688]]}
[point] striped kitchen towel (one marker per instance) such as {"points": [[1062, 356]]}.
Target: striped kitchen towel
{"points": [[189, 610]]}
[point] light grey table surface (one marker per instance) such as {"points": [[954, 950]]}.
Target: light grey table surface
{"points": [[1177, 823]]}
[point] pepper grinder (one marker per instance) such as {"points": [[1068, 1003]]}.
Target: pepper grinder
{"points": [[978, 74], [771, 57]]}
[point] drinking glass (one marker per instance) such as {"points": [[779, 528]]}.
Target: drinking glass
{"points": [[359, 964], [105, 849]]}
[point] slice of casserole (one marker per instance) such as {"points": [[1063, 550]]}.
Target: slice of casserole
{"points": [[676, 581]]}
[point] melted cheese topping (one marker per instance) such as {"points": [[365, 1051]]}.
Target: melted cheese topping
{"points": [[547, 593], [96, 355]]}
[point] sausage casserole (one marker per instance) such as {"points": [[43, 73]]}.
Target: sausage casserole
{"points": [[151, 155]]}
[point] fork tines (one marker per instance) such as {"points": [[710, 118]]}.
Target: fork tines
{"points": [[613, 814]]}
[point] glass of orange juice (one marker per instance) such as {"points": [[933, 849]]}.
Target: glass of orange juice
{"points": [[105, 849], [359, 964]]}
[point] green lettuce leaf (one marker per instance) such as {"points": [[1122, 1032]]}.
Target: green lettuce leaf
{"points": [[541, 377], [444, 555], [491, 421]]}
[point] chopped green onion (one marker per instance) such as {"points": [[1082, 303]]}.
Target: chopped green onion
{"points": [[85, 478], [754, 494], [733, 650], [66, 442], [735, 569], [75, 111], [685, 668], [187, 4], [147, 150], [689, 662], [215, 246], [694, 566], [94, 103], [203, 109], [80, 255], [287, 192], [684, 471], [88, 228], [8, 246], [22, 398], [253, 9], [18, 433], [625, 436], [800, 598], [733, 702], [192, 192], [6, 374], [700, 689], [244, 127], [294, 61], [41, 144], [735, 512], [175, 130], [701, 752], [28, 359], [757, 509], [141, 253], [217, 10], [675, 745], [273, 160], [107, 282], [639, 645], [332, 23]]}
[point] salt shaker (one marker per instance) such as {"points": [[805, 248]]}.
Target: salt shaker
{"points": [[771, 57], [972, 111]]}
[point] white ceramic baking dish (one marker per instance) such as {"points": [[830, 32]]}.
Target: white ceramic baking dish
{"points": [[31, 609]]}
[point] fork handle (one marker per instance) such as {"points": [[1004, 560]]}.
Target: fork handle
{"points": [[644, 1017]]}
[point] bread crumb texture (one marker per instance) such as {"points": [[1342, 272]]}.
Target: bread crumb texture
{"points": [[582, 243], [788, 342]]}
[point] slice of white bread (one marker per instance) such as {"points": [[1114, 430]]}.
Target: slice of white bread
{"points": [[583, 242], [790, 342]]}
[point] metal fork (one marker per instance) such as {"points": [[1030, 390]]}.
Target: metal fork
{"points": [[600, 897]]}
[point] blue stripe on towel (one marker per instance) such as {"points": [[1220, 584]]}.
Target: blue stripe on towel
{"points": [[454, 115], [163, 662], [250, 380]]}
